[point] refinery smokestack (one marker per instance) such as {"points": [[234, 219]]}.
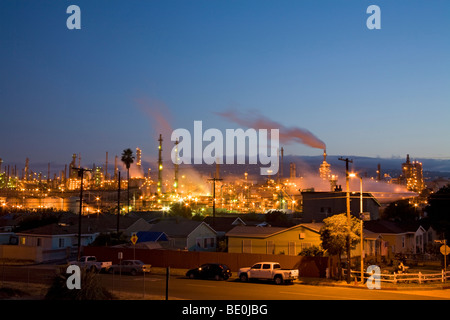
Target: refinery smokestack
{"points": [[160, 166], [106, 166], [116, 169], [175, 182], [139, 160], [27, 168]]}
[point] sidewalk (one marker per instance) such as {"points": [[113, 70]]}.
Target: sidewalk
{"points": [[384, 285]]}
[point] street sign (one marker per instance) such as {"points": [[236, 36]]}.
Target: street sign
{"points": [[445, 249], [134, 238]]}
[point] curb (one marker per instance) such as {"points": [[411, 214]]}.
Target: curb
{"points": [[387, 288]]}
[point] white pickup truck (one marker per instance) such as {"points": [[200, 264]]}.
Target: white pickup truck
{"points": [[91, 263], [268, 271]]}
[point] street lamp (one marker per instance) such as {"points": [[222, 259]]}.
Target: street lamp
{"points": [[361, 215], [98, 205]]}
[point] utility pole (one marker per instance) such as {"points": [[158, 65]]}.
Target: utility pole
{"points": [[81, 175], [118, 204], [347, 161]]}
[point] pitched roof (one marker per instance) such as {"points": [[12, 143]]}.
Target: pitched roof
{"points": [[383, 226], [151, 236], [223, 223], [264, 232], [253, 232], [102, 222], [57, 229], [178, 227]]}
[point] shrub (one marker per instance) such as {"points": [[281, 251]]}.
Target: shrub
{"points": [[91, 288]]}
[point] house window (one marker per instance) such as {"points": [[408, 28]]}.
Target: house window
{"points": [[23, 240], [403, 241], [61, 242], [38, 242]]}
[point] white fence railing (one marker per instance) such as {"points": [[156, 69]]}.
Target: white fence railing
{"points": [[419, 277]]}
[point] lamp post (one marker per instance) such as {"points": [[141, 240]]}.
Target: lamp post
{"points": [[347, 177], [361, 216]]}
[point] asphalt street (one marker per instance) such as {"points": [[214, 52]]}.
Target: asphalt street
{"points": [[153, 286]]}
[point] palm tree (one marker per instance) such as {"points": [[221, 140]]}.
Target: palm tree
{"points": [[128, 159]]}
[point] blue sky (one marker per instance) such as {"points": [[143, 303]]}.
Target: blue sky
{"points": [[308, 64]]}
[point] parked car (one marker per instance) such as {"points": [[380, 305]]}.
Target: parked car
{"points": [[268, 271], [215, 271], [91, 263], [132, 267]]}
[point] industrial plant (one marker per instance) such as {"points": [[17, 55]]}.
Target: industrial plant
{"points": [[202, 188]]}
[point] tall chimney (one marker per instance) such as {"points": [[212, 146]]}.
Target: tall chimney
{"points": [[160, 166], [106, 166]]}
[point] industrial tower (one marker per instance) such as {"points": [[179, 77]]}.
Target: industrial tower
{"points": [[175, 181], [160, 166]]}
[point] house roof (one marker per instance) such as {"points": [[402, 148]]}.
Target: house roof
{"points": [[264, 232], [57, 229], [253, 232], [385, 226], [102, 222], [151, 236], [178, 227], [223, 223]]}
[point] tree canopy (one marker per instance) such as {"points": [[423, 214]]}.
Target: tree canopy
{"points": [[334, 236], [438, 210], [401, 210]]}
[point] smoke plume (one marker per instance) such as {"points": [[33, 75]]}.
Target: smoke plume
{"points": [[287, 134]]}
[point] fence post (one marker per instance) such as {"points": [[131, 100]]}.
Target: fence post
{"points": [[395, 278], [167, 282], [420, 277], [442, 275]]}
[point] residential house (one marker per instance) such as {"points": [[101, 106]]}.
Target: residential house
{"points": [[320, 205], [223, 224], [401, 238], [274, 240], [56, 241], [151, 239], [107, 223], [187, 234]]}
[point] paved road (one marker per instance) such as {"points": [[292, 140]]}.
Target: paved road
{"points": [[154, 287], [182, 288]]}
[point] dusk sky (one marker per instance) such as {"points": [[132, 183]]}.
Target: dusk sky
{"points": [[134, 65]]}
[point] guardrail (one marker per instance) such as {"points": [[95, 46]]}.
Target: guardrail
{"points": [[404, 277]]}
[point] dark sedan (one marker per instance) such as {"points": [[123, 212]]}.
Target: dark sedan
{"points": [[215, 271]]}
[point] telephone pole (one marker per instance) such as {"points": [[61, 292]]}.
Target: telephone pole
{"points": [[347, 161], [81, 175], [118, 204]]}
